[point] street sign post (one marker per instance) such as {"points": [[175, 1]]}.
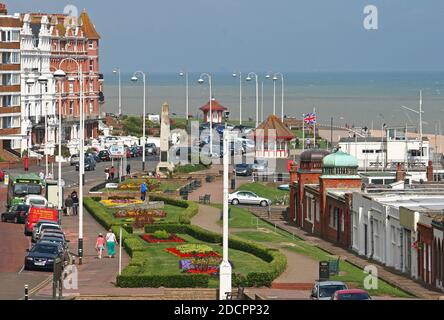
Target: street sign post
{"points": [[324, 270]]}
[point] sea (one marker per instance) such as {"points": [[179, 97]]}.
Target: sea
{"points": [[360, 99]]}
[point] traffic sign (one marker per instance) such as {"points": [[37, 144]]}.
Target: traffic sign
{"points": [[117, 151]]}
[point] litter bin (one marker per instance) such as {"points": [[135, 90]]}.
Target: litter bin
{"points": [[324, 270], [233, 184]]}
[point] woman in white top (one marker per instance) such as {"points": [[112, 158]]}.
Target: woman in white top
{"points": [[111, 241]]}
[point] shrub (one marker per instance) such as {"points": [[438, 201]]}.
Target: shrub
{"points": [[131, 279], [194, 248], [133, 244], [161, 234], [190, 211]]}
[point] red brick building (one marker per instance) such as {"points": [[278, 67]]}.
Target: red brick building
{"points": [[320, 197]]}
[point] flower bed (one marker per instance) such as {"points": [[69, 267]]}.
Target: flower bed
{"points": [[173, 238], [119, 202], [179, 253], [139, 213]]}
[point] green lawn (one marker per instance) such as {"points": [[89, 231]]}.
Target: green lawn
{"points": [[266, 191], [239, 218], [349, 273], [160, 262]]}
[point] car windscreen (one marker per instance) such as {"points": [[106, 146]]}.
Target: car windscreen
{"points": [[45, 248], [22, 189], [242, 166], [49, 227], [354, 296], [328, 291]]}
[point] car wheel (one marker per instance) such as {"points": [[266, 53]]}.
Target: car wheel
{"points": [[264, 204], [234, 202], [3, 219]]}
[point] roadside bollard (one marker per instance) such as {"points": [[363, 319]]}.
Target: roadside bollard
{"points": [[26, 292]]}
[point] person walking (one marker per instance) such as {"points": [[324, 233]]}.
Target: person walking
{"points": [[128, 169], [112, 172], [42, 176], [143, 190], [106, 174], [111, 241], [75, 203], [100, 245], [68, 205]]}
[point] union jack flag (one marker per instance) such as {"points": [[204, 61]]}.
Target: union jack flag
{"points": [[310, 118]]}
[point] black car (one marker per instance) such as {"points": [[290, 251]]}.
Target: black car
{"points": [[16, 213], [104, 155], [43, 255], [151, 149], [63, 243], [243, 169], [90, 164]]}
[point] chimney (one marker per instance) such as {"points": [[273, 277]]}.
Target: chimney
{"points": [[3, 10], [293, 169], [430, 177], [400, 173]]}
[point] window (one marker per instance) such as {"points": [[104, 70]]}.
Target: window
{"points": [[6, 122], [91, 107], [15, 79], [71, 107], [318, 212], [334, 217], [91, 44], [71, 87], [91, 65], [91, 86]]}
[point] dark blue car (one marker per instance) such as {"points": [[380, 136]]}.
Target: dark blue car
{"points": [[42, 256]]}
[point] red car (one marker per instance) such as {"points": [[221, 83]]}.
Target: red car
{"points": [[351, 294]]}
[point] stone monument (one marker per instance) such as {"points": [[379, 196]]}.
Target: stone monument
{"points": [[165, 165]]}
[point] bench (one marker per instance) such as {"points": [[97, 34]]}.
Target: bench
{"points": [[239, 295], [205, 199]]}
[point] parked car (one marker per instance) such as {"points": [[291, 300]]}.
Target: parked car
{"points": [[248, 197], [90, 165], [16, 213], [56, 239], [150, 149], [104, 155], [41, 227], [243, 169], [53, 233], [260, 165], [93, 155], [42, 256], [135, 152], [351, 294], [324, 290], [74, 159]]}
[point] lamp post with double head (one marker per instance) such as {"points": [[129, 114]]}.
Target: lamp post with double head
{"points": [[120, 90], [30, 82], [43, 81], [187, 94], [249, 78], [275, 78], [201, 81], [60, 75], [135, 79]]}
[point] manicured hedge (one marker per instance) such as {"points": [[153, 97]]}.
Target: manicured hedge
{"points": [[131, 279], [277, 260], [97, 211]]}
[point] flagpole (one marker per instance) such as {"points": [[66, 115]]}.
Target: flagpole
{"points": [[303, 132], [316, 120]]}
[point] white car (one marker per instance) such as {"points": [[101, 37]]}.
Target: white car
{"points": [[260, 165], [36, 200], [249, 198], [36, 232]]}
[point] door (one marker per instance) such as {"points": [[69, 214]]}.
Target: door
{"points": [[408, 251]]}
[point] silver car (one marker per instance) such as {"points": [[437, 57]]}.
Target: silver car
{"points": [[324, 290], [249, 198], [260, 165]]}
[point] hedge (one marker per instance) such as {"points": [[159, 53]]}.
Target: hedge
{"points": [[130, 279], [277, 260]]}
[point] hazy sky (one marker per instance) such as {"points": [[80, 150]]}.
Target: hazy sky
{"points": [[281, 35]]}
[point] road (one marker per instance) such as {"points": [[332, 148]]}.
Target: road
{"points": [[14, 244]]}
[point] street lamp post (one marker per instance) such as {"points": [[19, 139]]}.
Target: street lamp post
{"points": [[275, 78], [201, 81], [187, 95], [60, 75], [249, 78], [29, 82], [240, 95], [135, 79], [225, 273], [43, 82], [120, 90]]}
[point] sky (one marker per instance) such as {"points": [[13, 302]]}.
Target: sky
{"points": [[261, 35]]}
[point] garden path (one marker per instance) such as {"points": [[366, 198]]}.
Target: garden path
{"points": [[300, 269]]}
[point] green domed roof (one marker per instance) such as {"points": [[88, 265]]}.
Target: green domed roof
{"points": [[340, 159]]}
